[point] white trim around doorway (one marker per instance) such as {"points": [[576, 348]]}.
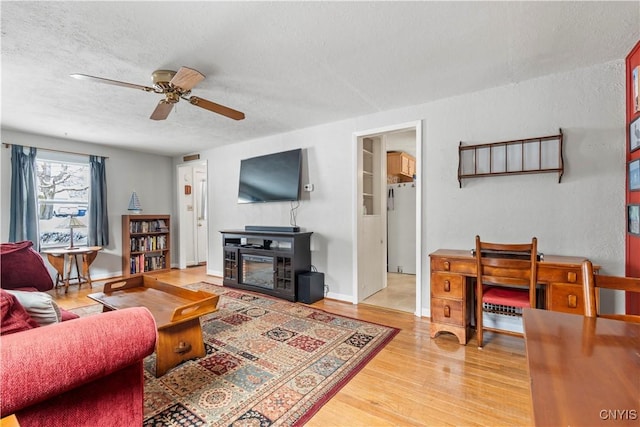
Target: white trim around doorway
{"points": [[417, 126]]}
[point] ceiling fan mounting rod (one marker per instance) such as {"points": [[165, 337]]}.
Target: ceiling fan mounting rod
{"points": [[162, 76]]}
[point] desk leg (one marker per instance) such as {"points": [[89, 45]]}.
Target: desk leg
{"points": [[177, 343], [75, 259], [87, 259], [69, 260]]}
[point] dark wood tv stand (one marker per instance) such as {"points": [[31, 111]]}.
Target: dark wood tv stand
{"points": [[266, 261]]}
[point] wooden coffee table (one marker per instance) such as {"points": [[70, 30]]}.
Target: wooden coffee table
{"points": [[176, 311]]}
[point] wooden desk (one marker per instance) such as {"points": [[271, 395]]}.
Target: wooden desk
{"points": [[453, 274], [62, 260], [584, 371]]}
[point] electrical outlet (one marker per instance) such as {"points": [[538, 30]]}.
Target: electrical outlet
{"points": [[308, 187]]}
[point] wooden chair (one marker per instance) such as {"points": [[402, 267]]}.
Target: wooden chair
{"points": [[506, 279], [593, 282]]}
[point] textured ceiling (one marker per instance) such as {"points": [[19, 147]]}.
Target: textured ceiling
{"points": [[286, 65]]}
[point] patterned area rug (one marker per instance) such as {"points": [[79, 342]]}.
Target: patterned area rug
{"points": [[269, 362]]}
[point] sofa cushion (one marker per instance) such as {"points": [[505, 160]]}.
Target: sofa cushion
{"points": [[13, 317], [65, 314], [40, 306], [22, 267]]}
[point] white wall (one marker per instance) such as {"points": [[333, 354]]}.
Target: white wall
{"points": [[326, 211], [150, 175], [402, 141], [584, 215]]}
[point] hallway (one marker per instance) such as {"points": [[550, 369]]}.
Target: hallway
{"points": [[400, 293]]}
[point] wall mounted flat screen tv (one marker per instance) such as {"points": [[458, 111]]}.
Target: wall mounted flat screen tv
{"points": [[270, 178]]}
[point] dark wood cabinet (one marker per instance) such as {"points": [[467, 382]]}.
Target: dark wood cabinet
{"points": [[266, 262]]}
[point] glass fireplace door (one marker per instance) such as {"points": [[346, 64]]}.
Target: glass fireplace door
{"points": [[257, 270]]}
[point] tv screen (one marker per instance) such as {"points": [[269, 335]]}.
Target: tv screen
{"points": [[270, 178]]}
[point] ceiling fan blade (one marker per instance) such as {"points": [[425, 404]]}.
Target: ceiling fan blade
{"points": [[111, 82], [162, 110], [216, 108], [186, 78]]}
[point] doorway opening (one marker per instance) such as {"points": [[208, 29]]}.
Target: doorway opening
{"points": [[388, 212], [192, 214]]}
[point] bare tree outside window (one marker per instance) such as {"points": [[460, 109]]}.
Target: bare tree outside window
{"points": [[63, 191]]}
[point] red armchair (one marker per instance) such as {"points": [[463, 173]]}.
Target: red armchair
{"points": [[22, 268], [84, 372]]}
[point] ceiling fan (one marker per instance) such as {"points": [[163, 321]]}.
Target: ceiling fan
{"points": [[173, 85]]}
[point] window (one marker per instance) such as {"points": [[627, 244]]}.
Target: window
{"points": [[63, 194]]}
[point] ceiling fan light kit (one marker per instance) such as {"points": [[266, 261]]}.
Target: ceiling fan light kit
{"points": [[173, 85]]}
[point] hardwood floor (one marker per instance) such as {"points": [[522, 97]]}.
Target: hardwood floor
{"points": [[414, 380]]}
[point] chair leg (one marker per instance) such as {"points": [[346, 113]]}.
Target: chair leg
{"points": [[479, 291]]}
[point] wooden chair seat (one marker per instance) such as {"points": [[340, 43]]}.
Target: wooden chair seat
{"points": [[506, 296]]}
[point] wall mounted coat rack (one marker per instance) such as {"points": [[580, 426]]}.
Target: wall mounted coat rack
{"points": [[521, 156]]}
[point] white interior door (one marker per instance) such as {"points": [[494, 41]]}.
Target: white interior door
{"points": [[192, 214], [371, 258], [200, 213], [372, 219]]}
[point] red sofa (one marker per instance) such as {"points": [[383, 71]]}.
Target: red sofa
{"points": [[83, 372]]}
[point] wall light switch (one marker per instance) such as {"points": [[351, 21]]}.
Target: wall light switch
{"points": [[308, 187]]}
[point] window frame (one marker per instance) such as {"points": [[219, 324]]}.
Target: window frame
{"points": [[61, 237]]}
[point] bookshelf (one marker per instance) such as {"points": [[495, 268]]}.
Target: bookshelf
{"points": [[146, 244]]}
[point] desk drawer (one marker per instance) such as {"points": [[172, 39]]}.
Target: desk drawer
{"points": [[447, 285], [565, 298], [451, 265], [548, 274], [447, 311]]}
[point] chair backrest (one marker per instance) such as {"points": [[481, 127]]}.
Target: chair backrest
{"points": [[592, 282], [510, 265]]}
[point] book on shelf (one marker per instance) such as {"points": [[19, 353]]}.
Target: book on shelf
{"points": [[142, 263], [155, 226], [162, 225]]}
